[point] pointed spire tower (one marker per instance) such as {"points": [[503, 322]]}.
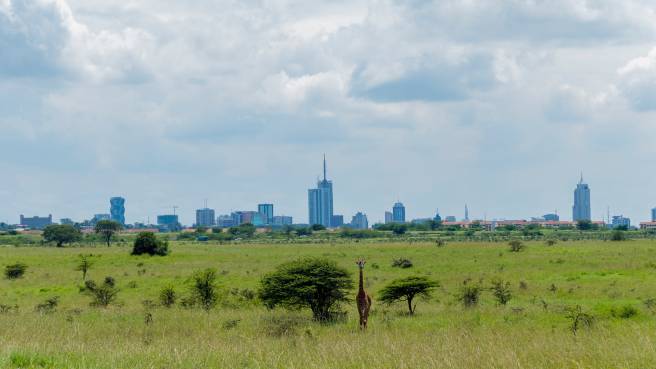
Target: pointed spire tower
{"points": [[324, 167]]}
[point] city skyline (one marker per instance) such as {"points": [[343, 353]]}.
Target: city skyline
{"points": [[581, 210]]}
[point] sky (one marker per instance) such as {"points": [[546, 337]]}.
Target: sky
{"points": [[499, 105]]}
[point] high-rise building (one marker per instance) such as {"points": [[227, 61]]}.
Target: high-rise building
{"points": [[337, 221], [320, 201], [581, 208], [388, 217], [267, 211], [437, 217], [205, 217], [117, 209], [359, 221], [36, 222], [653, 215], [398, 213], [169, 222], [466, 213]]}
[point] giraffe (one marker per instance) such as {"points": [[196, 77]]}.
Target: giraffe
{"points": [[363, 299]]}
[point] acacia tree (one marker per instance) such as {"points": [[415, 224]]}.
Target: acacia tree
{"points": [[406, 289], [83, 265], [107, 229], [61, 234], [315, 283]]}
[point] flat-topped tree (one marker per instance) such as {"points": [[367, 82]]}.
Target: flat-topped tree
{"points": [[107, 229]]}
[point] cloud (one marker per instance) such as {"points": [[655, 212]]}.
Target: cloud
{"points": [[638, 81]]}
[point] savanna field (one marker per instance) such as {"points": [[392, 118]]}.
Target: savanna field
{"points": [[607, 289]]}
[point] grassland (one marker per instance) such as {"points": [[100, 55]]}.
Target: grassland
{"points": [[532, 331]]}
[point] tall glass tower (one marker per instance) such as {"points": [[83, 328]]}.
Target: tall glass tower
{"points": [[581, 208], [117, 209], [320, 201], [398, 213]]}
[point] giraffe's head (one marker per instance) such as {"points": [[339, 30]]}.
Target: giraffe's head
{"points": [[360, 263]]}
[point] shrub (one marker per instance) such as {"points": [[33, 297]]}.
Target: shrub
{"points": [[314, 283], [402, 263], [624, 312], [281, 326], [399, 228], [61, 234], [48, 306], [318, 227], [501, 291], [167, 296], [148, 243], [551, 242], [618, 235], [578, 319], [15, 271], [102, 295], [469, 295], [440, 243], [516, 246], [204, 288], [406, 289]]}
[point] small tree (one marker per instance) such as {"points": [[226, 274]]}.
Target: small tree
{"points": [[314, 283], [399, 228], [501, 291], [148, 243], [204, 288], [83, 265], [406, 289], [15, 271], [469, 295], [618, 235], [107, 229], [578, 318], [61, 234]]}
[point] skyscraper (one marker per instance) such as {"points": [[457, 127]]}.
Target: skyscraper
{"points": [[267, 212], [398, 213], [581, 208], [359, 221], [388, 217], [117, 209], [653, 215], [466, 213], [320, 201], [205, 217]]}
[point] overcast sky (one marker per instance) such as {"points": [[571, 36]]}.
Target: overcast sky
{"points": [[497, 104]]}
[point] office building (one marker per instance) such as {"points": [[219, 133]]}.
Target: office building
{"points": [[552, 217], [581, 208], [281, 220], [388, 217], [36, 222], [98, 217], [117, 209], [66, 221], [320, 201], [169, 222], [359, 221], [225, 221], [620, 221], [398, 213], [337, 221], [466, 213], [205, 217], [437, 218], [653, 215], [267, 212]]}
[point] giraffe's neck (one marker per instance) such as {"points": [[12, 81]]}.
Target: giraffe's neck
{"points": [[361, 284]]}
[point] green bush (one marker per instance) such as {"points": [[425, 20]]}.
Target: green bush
{"points": [[148, 243], [402, 263], [15, 271], [618, 235], [204, 289], [501, 291], [469, 295], [516, 246], [314, 283], [102, 295], [624, 312], [167, 296]]}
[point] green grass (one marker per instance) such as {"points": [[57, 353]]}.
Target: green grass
{"points": [[530, 332]]}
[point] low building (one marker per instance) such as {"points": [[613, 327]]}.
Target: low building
{"points": [[388, 217], [225, 221], [66, 221], [282, 220], [648, 225], [35, 222], [620, 221]]}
